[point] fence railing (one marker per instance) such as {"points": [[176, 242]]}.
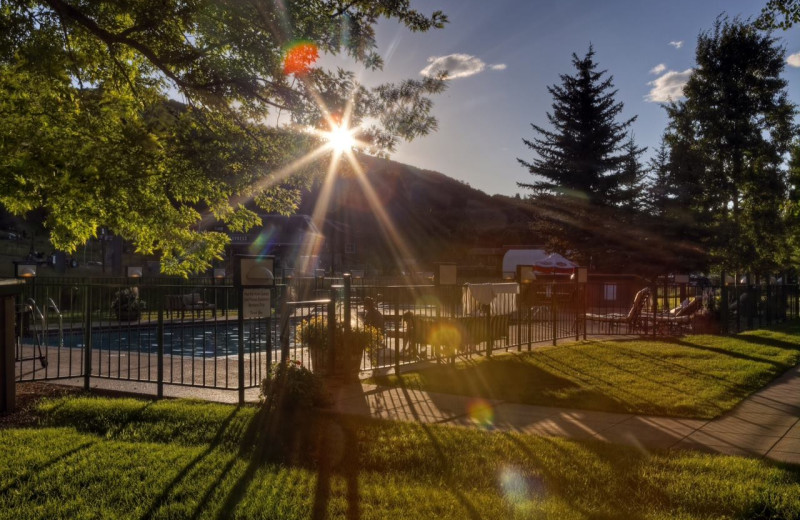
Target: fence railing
{"points": [[193, 335]]}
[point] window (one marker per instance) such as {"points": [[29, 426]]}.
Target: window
{"points": [[610, 291]]}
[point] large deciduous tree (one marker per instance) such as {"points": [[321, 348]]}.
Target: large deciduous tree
{"points": [[728, 139], [91, 128], [779, 14]]}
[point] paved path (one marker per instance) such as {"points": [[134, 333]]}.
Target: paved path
{"points": [[767, 424]]}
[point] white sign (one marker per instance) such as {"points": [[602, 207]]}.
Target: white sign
{"points": [[255, 303], [258, 272]]}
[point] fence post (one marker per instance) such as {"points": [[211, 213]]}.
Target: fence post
{"points": [[575, 307], [332, 333], [768, 310], [554, 316], [87, 335], [397, 328], [240, 342], [723, 305], [750, 302], [583, 307], [489, 341], [347, 293], [796, 298], [654, 292], [160, 353]]}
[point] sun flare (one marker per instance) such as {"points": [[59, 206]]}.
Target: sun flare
{"points": [[341, 139]]}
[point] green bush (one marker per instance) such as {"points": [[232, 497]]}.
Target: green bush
{"points": [[351, 344], [292, 386]]}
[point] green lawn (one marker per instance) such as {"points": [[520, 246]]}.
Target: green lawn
{"points": [[692, 376], [104, 458]]}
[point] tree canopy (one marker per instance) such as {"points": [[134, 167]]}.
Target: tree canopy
{"points": [[149, 116], [728, 139], [779, 14]]}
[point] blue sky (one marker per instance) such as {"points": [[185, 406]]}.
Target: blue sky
{"points": [[484, 116]]}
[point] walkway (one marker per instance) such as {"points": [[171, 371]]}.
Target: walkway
{"points": [[767, 424]]}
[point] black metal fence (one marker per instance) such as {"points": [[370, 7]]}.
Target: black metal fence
{"points": [[190, 333]]}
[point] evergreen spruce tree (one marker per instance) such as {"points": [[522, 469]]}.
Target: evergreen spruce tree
{"points": [[583, 155], [630, 195]]}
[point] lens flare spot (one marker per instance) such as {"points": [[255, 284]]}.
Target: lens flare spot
{"points": [[518, 489], [446, 338], [481, 413], [300, 57], [259, 245]]}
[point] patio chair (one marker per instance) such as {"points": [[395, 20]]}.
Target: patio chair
{"points": [[634, 320], [679, 319]]}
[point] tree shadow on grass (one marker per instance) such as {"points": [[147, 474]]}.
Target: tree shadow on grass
{"points": [[212, 445], [27, 475], [731, 353], [512, 379], [763, 341]]}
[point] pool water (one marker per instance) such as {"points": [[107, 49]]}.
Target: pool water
{"points": [[222, 340]]}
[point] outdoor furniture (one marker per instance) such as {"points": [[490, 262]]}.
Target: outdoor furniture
{"points": [[679, 319], [461, 334], [188, 302], [634, 320]]}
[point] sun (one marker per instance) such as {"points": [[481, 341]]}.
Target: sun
{"points": [[341, 139]]}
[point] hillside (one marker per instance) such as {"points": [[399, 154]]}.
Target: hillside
{"points": [[437, 217]]}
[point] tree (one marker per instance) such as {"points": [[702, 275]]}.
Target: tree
{"points": [[779, 14], [630, 194], [584, 154], [90, 129], [660, 189], [728, 139]]}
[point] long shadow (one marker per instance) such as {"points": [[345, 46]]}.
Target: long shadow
{"points": [[288, 437], [188, 467], [443, 459], [658, 408], [348, 466], [730, 353], [687, 370], [26, 476]]}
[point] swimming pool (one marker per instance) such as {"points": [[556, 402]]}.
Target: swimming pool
{"points": [[221, 339]]}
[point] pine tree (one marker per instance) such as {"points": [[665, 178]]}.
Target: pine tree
{"points": [[660, 187], [630, 195], [583, 155]]}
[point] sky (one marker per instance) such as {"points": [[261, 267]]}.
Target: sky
{"points": [[507, 52]]}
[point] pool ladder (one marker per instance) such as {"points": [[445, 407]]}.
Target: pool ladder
{"points": [[39, 335]]}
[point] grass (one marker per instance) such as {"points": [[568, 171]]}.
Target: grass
{"points": [[692, 376], [123, 458]]}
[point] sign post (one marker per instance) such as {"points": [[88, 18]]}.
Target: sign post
{"points": [[254, 280]]}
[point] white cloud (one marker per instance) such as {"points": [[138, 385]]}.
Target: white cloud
{"points": [[457, 66], [794, 60], [658, 69], [668, 87], [677, 44]]}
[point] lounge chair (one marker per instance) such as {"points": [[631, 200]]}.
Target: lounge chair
{"points": [[633, 321], [188, 302], [679, 319]]}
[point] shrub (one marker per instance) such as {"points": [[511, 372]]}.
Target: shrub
{"points": [[350, 345], [291, 386], [126, 304]]}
